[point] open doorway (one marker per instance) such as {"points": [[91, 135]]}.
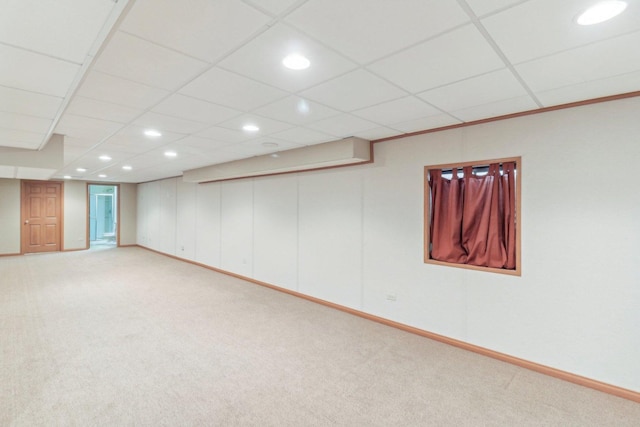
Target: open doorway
{"points": [[103, 216]]}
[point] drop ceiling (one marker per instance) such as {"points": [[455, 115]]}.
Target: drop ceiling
{"points": [[101, 72]]}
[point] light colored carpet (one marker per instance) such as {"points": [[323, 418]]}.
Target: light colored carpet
{"points": [[129, 337]]}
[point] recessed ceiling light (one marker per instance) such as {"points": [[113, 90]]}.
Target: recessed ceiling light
{"points": [[152, 132], [270, 144], [67, 177], [81, 169], [274, 155], [250, 128], [105, 158], [170, 153], [102, 175], [127, 167], [601, 12], [303, 107], [295, 61]]}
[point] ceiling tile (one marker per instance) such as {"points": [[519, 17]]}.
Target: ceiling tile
{"points": [[343, 126], [353, 91], [261, 59], [30, 103], [296, 110], [257, 147], [22, 69], [377, 133], [187, 107], [164, 123], [541, 27], [619, 55], [399, 110], [88, 107], [274, 7], [369, 29], [490, 87], [204, 144], [25, 123], [430, 122], [457, 55], [267, 126], [221, 134], [305, 136], [21, 138], [116, 90], [229, 89], [86, 127], [484, 7], [64, 29], [622, 83], [496, 108], [214, 27], [136, 59]]}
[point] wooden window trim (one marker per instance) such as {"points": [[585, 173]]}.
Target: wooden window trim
{"points": [[427, 215]]}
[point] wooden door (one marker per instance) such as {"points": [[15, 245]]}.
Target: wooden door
{"points": [[41, 216]]}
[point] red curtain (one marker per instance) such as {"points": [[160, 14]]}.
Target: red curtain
{"points": [[473, 218]]}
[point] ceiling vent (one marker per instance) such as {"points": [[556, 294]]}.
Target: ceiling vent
{"points": [[344, 152]]}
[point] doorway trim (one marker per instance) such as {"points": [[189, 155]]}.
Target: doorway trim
{"points": [[88, 232], [59, 219]]}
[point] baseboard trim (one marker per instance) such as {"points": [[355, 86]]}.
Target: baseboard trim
{"points": [[536, 367], [17, 253]]}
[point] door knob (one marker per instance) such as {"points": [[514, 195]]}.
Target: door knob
{"points": [[26, 221]]}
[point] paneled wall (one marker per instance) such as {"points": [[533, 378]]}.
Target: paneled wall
{"points": [[353, 236]]}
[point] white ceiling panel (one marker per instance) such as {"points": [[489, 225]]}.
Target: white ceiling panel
{"points": [[86, 127], [369, 29], [214, 27], [133, 58], [305, 136], [116, 90], [343, 126], [24, 122], [23, 102], [296, 110], [261, 146], [203, 144], [221, 134], [484, 89], [81, 106], [377, 133], [454, 56], [20, 138], [595, 61], [430, 122], [64, 29], [274, 7], [267, 126], [496, 108], [261, 59], [542, 27], [622, 83], [165, 123], [232, 90], [186, 107], [484, 7], [22, 69], [353, 91], [399, 110]]}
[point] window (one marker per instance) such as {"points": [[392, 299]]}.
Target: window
{"points": [[472, 215]]}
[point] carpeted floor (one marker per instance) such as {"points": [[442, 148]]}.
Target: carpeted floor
{"points": [[129, 337]]}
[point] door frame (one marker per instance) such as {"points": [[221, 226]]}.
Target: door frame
{"points": [[117, 198], [60, 219]]}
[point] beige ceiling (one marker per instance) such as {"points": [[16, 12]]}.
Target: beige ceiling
{"points": [[101, 72]]}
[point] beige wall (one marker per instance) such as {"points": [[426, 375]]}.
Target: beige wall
{"points": [[75, 215], [128, 215], [9, 216]]}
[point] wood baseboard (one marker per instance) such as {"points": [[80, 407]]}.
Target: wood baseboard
{"points": [[536, 367], [15, 254]]}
